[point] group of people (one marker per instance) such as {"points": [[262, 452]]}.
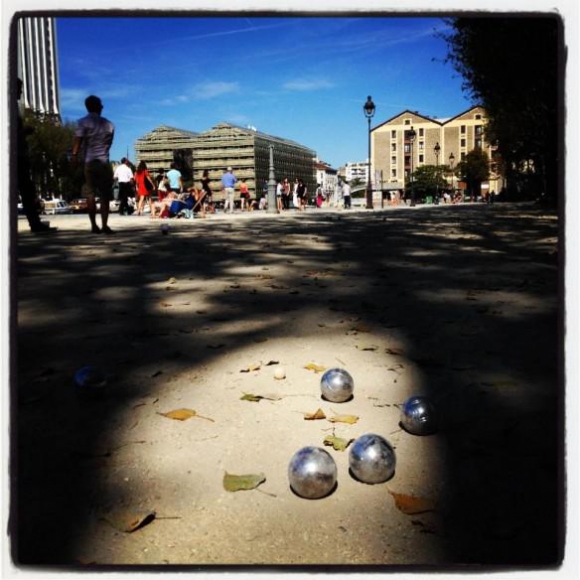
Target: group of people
{"points": [[299, 194]]}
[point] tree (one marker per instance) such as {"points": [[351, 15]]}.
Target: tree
{"points": [[428, 179], [473, 170], [48, 145], [510, 65]]}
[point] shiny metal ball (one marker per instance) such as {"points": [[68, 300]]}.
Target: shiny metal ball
{"points": [[90, 380], [418, 416], [312, 472], [372, 459], [336, 385]]}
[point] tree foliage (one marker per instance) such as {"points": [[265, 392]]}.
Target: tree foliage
{"points": [[510, 66], [429, 179], [48, 144], [473, 170]]}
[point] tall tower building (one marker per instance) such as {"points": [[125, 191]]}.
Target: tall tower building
{"points": [[37, 64]]}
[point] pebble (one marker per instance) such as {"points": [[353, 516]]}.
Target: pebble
{"points": [[280, 373]]}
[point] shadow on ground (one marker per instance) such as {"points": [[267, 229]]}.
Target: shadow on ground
{"points": [[474, 291]]}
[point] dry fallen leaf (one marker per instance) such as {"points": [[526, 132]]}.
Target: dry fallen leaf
{"points": [[411, 505], [250, 369], [338, 443], [126, 520], [312, 416], [183, 415], [350, 419], [242, 482], [272, 362], [314, 367], [258, 398], [368, 347], [172, 280]]}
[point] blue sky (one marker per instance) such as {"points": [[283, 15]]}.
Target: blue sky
{"points": [[305, 79]]}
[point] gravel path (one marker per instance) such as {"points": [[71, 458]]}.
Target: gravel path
{"points": [[459, 303]]}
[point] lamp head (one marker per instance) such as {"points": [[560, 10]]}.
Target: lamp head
{"points": [[369, 108]]}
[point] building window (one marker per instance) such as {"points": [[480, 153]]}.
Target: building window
{"points": [[463, 142], [393, 159], [393, 134], [462, 129], [407, 173], [478, 129], [407, 147], [421, 145], [407, 121], [463, 156], [478, 116], [393, 146], [478, 143], [393, 173], [421, 132], [407, 160], [420, 158]]}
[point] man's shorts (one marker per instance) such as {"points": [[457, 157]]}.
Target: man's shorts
{"points": [[98, 179]]}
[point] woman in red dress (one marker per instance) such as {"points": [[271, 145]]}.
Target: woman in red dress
{"points": [[145, 187]]}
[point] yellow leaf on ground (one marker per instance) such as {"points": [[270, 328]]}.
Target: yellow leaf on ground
{"points": [[242, 482], [411, 505], [350, 419], [172, 280], [312, 416], [183, 415], [314, 367], [338, 443]]}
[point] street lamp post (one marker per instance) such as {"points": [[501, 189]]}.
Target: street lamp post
{"points": [[411, 137], [272, 208], [451, 162], [369, 109], [437, 150]]}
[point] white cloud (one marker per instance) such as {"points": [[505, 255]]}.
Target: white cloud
{"points": [[209, 90], [73, 99], [308, 85]]}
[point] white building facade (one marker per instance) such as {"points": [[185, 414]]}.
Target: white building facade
{"points": [[37, 65], [326, 177], [357, 170]]}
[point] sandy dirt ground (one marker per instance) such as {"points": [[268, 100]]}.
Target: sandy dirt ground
{"points": [[458, 303]]}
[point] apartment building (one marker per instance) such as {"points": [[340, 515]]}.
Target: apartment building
{"points": [[436, 142], [357, 170]]}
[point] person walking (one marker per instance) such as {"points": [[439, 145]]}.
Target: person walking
{"points": [[346, 195], [145, 187], [175, 179], [94, 135], [228, 183], [124, 177]]}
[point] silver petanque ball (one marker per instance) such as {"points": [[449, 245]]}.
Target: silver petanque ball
{"points": [[312, 472], [90, 380], [336, 385], [372, 459], [418, 416]]}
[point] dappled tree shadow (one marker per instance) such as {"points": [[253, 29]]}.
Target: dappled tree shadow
{"points": [[450, 280]]}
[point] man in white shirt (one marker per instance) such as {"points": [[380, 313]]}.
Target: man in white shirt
{"points": [[94, 134], [346, 195], [124, 177]]}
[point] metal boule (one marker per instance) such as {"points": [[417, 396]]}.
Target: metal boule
{"points": [[336, 385], [312, 472], [418, 416], [372, 459]]}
